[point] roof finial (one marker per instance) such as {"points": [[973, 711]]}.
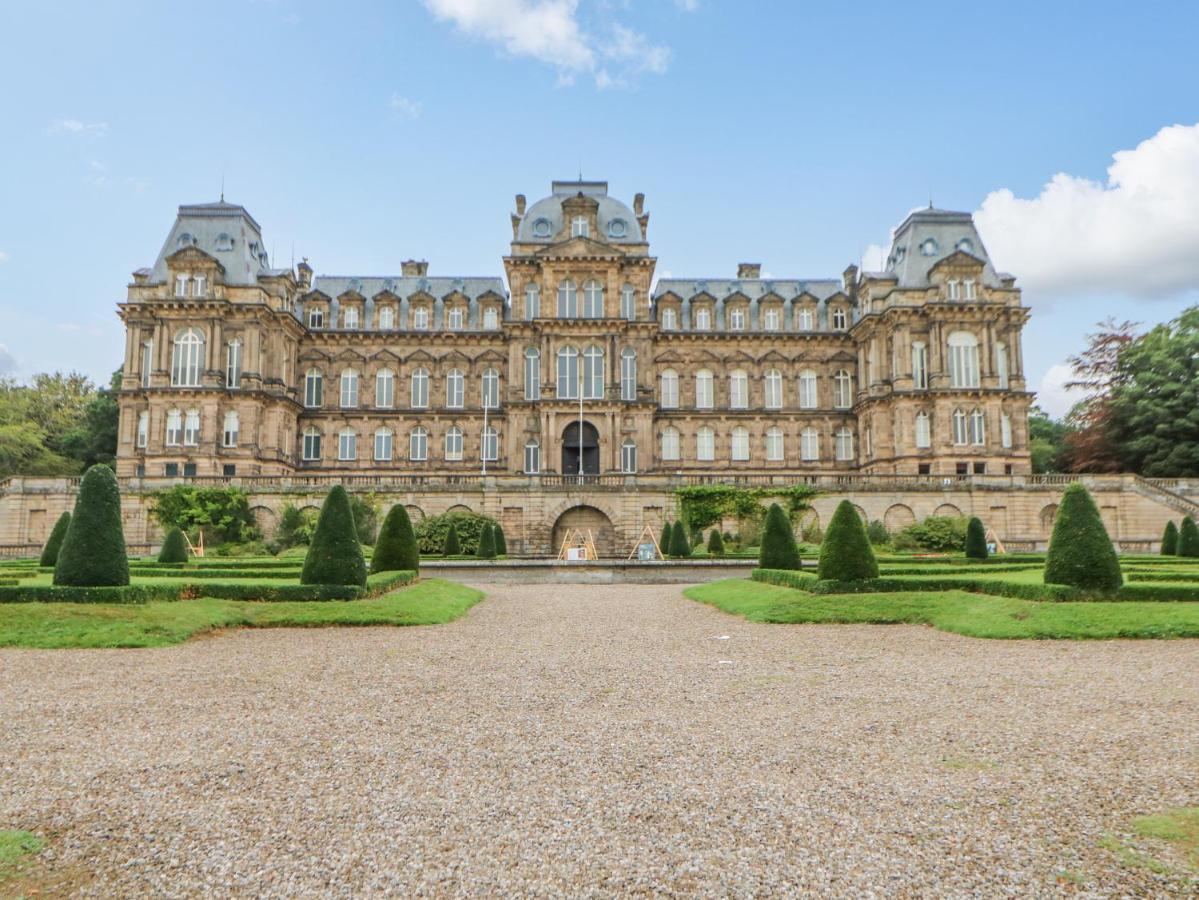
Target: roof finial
{"points": [[930, 198], [222, 184]]}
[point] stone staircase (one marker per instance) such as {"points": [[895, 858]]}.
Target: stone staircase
{"points": [[1160, 494]]}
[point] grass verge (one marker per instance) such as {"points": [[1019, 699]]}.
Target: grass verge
{"points": [[16, 848]]}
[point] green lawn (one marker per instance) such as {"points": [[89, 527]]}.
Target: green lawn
{"points": [[52, 625], [974, 615]]}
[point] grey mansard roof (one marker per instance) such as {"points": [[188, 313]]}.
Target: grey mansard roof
{"points": [[753, 288], [224, 231], [912, 255], [549, 209], [405, 286]]}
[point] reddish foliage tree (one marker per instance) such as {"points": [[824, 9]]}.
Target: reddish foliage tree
{"points": [[1089, 447]]}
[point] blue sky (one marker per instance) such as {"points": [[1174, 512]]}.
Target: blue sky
{"points": [[795, 134]]}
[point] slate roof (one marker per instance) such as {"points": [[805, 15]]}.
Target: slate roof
{"points": [[753, 288], [948, 231], [550, 209], [222, 230], [404, 286]]}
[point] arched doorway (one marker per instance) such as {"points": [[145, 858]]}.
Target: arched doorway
{"points": [[586, 519], [576, 445]]}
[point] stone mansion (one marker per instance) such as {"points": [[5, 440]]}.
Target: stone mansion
{"points": [[577, 363]]}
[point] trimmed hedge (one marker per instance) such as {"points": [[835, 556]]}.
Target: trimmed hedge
{"points": [[452, 546], [126, 593], [778, 549], [976, 539], [395, 549], [680, 547], [716, 543], [93, 553], [174, 548], [486, 543], [1188, 538], [665, 539], [1080, 552], [54, 542], [1170, 539], [846, 554], [335, 556], [501, 542]]}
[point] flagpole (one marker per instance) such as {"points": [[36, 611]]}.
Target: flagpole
{"points": [[580, 420], [483, 443]]}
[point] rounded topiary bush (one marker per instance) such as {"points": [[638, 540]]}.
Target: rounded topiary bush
{"points": [[680, 547], [395, 548], [1080, 552], [1188, 538], [335, 555], [976, 539], [452, 547], [665, 539], [93, 552], [501, 542], [486, 543], [846, 554], [54, 542], [1170, 540], [174, 548], [778, 549], [715, 543]]}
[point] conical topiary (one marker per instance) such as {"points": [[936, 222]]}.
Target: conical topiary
{"points": [[54, 542], [680, 547], [664, 539], [778, 549], [93, 552], [486, 543], [846, 554], [1188, 538], [174, 548], [334, 555], [501, 542], [1170, 539], [715, 543], [976, 539], [453, 546], [1080, 552], [395, 547]]}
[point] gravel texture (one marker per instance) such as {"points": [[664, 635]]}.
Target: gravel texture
{"points": [[598, 741]]}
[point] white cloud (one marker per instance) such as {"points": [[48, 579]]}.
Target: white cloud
{"points": [[3, 257], [687, 5], [8, 362], [78, 128], [1052, 395], [874, 258], [1135, 234], [409, 109], [633, 54]]}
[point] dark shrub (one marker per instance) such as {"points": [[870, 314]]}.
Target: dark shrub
{"points": [[432, 531], [812, 533], [976, 539], [366, 519], [335, 556], [395, 549], [453, 547], [1080, 552], [877, 532], [501, 542], [778, 549], [1170, 539], [846, 554], [1188, 538], [939, 534], [486, 543], [715, 543], [680, 547], [295, 526], [93, 551], [174, 548], [664, 540], [54, 542]]}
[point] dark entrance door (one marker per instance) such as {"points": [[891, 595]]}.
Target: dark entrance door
{"points": [[575, 445]]}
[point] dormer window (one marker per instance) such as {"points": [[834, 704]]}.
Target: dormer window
{"points": [[703, 319], [224, 242], [737, 319], [491, 319], [455, 319], [386, 318], [770, 320], [181, 285], [185, 240], [955, 289], [541, 228], [617, 228], [349, 317], [966, 245], [420, 318], [578, 226], [669, 320], [840, 319], [316, 318], [928, 247], [201, 285], [968, 288], [806, 319]]}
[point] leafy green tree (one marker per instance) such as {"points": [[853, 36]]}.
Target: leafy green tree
{"points": [[665, 539], [366, 519], [1170, 539], [1080, 552], [486, 543], [335, 555], [846, 554], [295, 526], [778, 549], [431, 531], [222, 514], [680, 547], [976, 539], [174, 548], [453, 546], [877, 532], [938, 534], [715, 543], [395, 550], [94, 439], [54, 542], [1047, 442], [1188, 538], [501, 542], [93, 552]]}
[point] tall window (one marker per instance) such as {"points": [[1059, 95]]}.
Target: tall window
{"points": [[578, 226], [568, 300], [349, 389], [1005, 430], [201, 283], [147, 362], [955, 289], [963, 360], [491, 389], [703, 319], [738, 390], [842, 390], [1001, 364], [669, 389], [349, 317], [455, 389], [229, 432], [386, 318], [347, 444], [628, 302], [491, 444], [385, 389], [844, 447], [774, 389], [978, 428], [670, 444], [143, 428], [924, 431], [233, 364], [593, 373], [532, 373], [840, 319], [968, 289], [418, 444], [383, 445], [704, 392], [774, 444], [532, 302], [705, 444], [456, 317], [809, 445], [532, 458], [174, 428], [919, 366], [316, 318], [628, 457], [453, 444], [740, 444], [593, 300], [420, 318], [805, 319], [180, 285], [568, 374], [960, 433], [191, 428], [314, 389], [187, 358], [771, 319], [628, 374], [807, 389], [311, 449], [737, 319], [491, 319], [670, 319], [420, 388]]}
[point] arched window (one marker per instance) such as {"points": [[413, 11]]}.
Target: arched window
{"points": [[491, 318], [187, 358], [385, 389], [1005, 430], [740, 444], [418, 444], [807, 389], [316, 318], [844, 447], [919, 366], [628, 374], [233, 364], [532, 458], [771, 319], [420, 388], [174, 428], [568, 374], [453, 444], [774, 444], [383, 445], [628, 302], [230, 431], [703, 389], [806, 319], [670, 444], [314, 389], [491, 389], [593, 300], [963, 360], [568, 300], [532, 373], [491, 444], [670, 319], [312, 444], [978, 428], [774, 389], [809, 445], [669, 389], [593, 373], [456, 317], [349, 389], [386, 318], [842, 390], [143, 428], [703, 319], [455, 389], [628, 457], [737, 319], [532, 302], [1001, 364], [738, 389], [840, 319], [191, 428], [960, 432], [705, 444], [924, 431], [347, 445]]}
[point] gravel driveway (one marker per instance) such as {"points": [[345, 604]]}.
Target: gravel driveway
{"points": [[596, 741]]}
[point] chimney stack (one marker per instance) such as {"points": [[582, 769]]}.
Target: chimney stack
{"points": [[638, 204], [520, 204], [414, 268], [304, 273], [749, 270]]}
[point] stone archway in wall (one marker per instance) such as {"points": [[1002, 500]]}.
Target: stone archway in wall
{"points": [[584, 445], [1047, 517], [459, 508], [415, 513], [265, 519], [898, 517], [948, 510], [586, 518]]}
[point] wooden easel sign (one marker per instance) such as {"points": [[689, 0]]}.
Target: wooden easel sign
{"points": [[578, 546], [645, 548]]}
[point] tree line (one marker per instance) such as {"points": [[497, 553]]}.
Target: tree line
{"points": [[57, 424]]}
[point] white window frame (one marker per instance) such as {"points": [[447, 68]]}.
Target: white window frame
{"points": [[418, 444], [349, 318], [233, 364], [669, 319], [532, 373], [231, 430], [593, 299], [453, 444], [385, 389], [628, 374], [455, 389], [1001, 365], [919, 366], [567, 373], [491, 318], [924, 430], [840, 319], [200, 286], [187, 358], [310, 449], [147, 362], [628, 457], [191, 428], [490, 444], [532, 458], [580, 227], [1005, 430], [844, 445], [773, 389], [670, 451], [737, 318], [978, 428], [181, 282], [419, 388], [806, 320], [775, 444], [593, 372], [568, 299], [456, 318], [532, 302], [386, 318], [143, 429], [702, 319], [969, 291], [771, 319], [842, 390], [316, 318], [954, 289], [705, 444], [491, 388], [738, 389], [384, 444], [809, 390], [628, 302], [314, 389], [963, 360], [739, 445], [961, 431], [809, 445], [347, 445], [348, 389], [420, 318], [705, 389], [668, 389]]}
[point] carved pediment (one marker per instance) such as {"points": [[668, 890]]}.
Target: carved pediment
{"points": [[961, 261], [578, 247], [190, 256]]}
